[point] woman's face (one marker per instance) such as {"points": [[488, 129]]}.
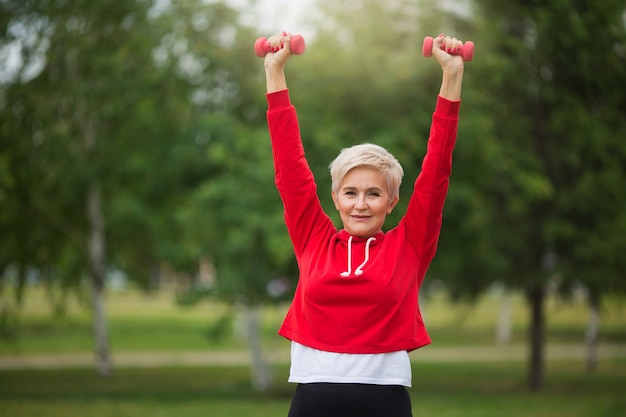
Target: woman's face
{"points": [[363, 201]]}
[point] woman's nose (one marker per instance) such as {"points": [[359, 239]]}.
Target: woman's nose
{"points": [[361, 204]]}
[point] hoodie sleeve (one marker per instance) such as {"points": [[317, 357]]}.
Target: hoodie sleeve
{"points": [[425, 210], [294, 179]]}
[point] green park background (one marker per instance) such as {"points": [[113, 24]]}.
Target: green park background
{"points": [[144, 263]]}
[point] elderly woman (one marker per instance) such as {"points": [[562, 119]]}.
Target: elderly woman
{"points": [[355, 313]]}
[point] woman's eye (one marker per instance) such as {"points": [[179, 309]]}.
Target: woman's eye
{"points": [[375, 194]]}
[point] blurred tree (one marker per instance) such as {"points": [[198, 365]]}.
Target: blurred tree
{"points": [[232, 214], [555, 79], [67, 107], [242, 212], [99, 136]]}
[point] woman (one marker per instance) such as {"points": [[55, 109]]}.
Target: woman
{"points": [[355, 313]]}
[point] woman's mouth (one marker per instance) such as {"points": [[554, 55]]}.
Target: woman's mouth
{"points": [[360, 218]]}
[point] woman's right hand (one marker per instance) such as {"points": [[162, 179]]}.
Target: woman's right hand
{"points": [[282, 44], [442, 48], [275, 62], [452, 66]]}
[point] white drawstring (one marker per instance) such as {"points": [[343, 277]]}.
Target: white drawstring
{"points": [[349, 271], [359, 270]]}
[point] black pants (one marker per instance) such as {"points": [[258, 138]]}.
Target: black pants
{"points": [[350, 400]]}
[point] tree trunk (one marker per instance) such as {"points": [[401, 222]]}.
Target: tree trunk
{"points": [[503, 329], [593, 332], [96, 251], [260, 371], [536, 297]]}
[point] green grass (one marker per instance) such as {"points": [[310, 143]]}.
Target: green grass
{"points": [[442, 390], [138, 322], [155, 323]]}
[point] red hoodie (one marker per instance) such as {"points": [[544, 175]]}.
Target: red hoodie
{"points": [[358, 295]]}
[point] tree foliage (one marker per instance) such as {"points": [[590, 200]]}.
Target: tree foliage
{"points": [[556, 183]]}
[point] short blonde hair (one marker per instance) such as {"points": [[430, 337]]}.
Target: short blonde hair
{"points": [[367, 155]]}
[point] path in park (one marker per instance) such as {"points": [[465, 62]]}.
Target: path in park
{"points": [[226, 358]]}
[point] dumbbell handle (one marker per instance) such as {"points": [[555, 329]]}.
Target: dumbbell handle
{"points": [[262, 46], [466, 51]]}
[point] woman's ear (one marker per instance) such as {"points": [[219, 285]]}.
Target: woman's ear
{"points": [[392, 204], [334, 196]]}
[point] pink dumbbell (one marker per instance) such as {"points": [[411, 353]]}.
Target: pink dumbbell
{"points": [[262, 47], [466, 51]]}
